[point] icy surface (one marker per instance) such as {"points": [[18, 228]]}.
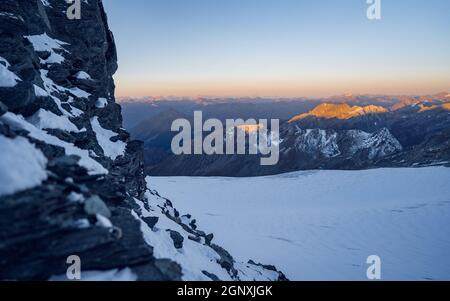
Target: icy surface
{"points": [[77, 92], [103, 221], [101, 103], [22, 166], [322, 225], [18, 122], [52, 87], [7, 78], [82, 75], [193, 258], [44, 43], [44, 119], [110, 149], [39, 92]]}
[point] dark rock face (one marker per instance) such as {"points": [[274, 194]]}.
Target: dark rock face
{"points": [[3, 109], [40, 227], [177, 239], [83, 192], [151, 221]]}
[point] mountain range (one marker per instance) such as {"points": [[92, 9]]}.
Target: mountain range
{"points": [[332, 135]]}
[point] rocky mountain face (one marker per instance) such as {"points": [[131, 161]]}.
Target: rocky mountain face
{"points": [[71, 180], [338, 136], [340, 111]]}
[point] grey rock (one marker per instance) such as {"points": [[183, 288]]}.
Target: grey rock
{"points": [[3, 108], [177, 239], [151, 221], [195, 238], [226, 260], [65, 161], [169, 268], [159, 270], [94, 205], [211, 276], [18, 97], [209, 238]]}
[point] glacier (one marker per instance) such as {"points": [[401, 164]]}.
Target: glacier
{"points": [[323, 225]]}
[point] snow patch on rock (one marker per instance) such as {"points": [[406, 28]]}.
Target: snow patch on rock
{"points": [[18, 122], [379, 144], [313, 140], [83, 75], [22, 165], [322, 225], [101, 103], [44, 43], [196, 255], [110, 149], [7, 78], [44, 119]]}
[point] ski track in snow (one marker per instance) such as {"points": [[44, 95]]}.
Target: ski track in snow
{"points": [[322, 225]]}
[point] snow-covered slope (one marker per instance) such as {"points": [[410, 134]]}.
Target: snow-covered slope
{"points": [[176, 236], [322, 225]]}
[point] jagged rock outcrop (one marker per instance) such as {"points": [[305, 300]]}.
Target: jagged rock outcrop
{"points": [[71, 180]]}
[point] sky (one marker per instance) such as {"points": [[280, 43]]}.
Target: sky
{"points": [[281, 48]]}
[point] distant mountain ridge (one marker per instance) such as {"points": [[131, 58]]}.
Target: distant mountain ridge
{"points": [[345, 98], [137, 110], [340, 111], [337, 136]]}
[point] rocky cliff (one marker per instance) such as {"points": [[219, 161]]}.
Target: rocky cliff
{"points": [[71, 181]]}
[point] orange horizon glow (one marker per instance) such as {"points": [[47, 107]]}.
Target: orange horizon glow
{"points": [[272, 49], [282, 88]]}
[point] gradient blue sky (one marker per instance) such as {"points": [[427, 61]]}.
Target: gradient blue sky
{"points": [[280, 47]]}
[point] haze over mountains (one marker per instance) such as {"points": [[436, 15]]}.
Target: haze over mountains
{"points": [[342, 132], [136, 110]]}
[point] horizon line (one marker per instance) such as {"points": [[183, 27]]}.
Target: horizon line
{"points": [[193, 97]]}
